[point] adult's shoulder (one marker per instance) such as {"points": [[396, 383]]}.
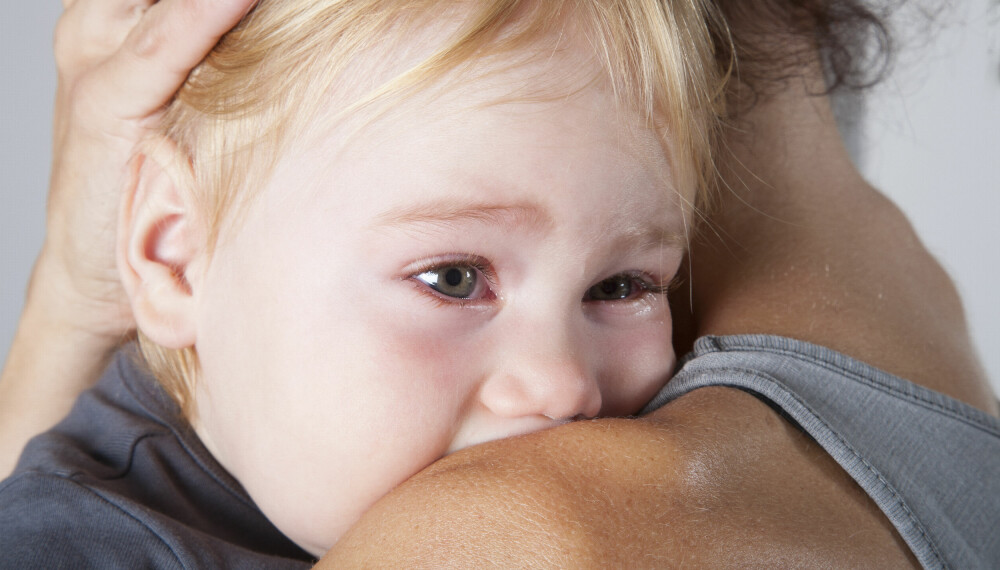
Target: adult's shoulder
{"points": [[926, 459], [714, 478]]}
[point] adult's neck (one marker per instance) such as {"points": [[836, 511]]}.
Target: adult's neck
{"points": [[788, 139], [800, 245]]}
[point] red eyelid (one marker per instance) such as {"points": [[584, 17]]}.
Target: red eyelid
{"points": [[651, 283]]}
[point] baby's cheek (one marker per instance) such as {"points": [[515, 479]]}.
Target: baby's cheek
{"points": [[405, 418], [434, 369], [430, 356], [637, 362]]}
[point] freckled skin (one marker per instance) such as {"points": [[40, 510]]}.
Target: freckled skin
{"points": [[330, 374]]}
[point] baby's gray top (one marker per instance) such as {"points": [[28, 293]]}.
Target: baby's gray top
{"points": [[931, 463], [124, 482]]}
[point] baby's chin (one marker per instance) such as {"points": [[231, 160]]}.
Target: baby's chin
{"points": [[314, 538]]}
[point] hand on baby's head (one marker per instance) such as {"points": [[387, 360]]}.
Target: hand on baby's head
{"points": [[475, 260]]}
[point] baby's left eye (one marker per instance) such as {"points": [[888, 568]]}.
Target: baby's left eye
{"points": [[618, 288]]}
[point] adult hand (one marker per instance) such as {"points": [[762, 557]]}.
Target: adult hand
{"points": [[119, 63]]}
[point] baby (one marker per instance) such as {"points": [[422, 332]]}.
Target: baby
{"points": [[372, 233]]}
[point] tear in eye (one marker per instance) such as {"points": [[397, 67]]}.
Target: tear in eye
{"points": [[460, 282], [615, 288]]}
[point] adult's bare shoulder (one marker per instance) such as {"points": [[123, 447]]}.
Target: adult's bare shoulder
{"points": [[714, 478]]}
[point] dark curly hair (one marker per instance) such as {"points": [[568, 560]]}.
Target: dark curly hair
{"points": [[768, 41]]}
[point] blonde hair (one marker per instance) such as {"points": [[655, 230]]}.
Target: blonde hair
{"points": [[271, 76]]}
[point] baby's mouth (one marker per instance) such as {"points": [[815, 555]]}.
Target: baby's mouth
{"points": [[502, 428]]}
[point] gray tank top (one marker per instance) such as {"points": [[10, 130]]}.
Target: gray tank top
{"points": [[931, 463]]}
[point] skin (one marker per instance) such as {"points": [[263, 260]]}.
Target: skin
{"points": [[804, 247], [402, 521], [364, 367]]}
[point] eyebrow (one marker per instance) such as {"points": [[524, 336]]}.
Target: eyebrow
{"points": [[524, 215], [443, 213], [648, 237]]}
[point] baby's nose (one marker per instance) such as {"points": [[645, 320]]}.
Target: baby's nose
{"points": [[556, 386]]}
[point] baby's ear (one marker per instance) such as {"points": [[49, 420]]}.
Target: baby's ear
{"points": [[160, 244]]}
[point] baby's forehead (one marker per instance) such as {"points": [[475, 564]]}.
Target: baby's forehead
{"points": [[403, 70], [472, 145], [524, 63], [482, 121], [497, 91]]}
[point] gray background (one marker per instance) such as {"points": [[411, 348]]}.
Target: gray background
{"points": [[930, 139]]}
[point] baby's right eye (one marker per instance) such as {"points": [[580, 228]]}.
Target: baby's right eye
{"points": [[454, 281], [458, 281]]}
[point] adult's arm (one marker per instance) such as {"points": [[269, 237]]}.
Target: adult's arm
{"points": [[119, 62]]}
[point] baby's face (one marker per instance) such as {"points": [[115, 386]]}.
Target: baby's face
{"points": [[460, 270]]}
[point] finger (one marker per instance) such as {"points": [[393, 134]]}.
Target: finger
{"points": [[170, 39], [107, 6], [91, 30]]}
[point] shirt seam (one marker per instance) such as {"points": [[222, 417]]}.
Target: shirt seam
{"points": [[918, 399]]}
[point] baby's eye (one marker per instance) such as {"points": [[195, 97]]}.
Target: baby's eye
{"points": [[618, 288], [457, 281]]}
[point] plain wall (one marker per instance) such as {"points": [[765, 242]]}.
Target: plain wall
{"points": [[930, 139], [27, 88]]}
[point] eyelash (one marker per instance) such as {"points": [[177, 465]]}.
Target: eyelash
{"points": [[645, 283], [484, 268]]}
